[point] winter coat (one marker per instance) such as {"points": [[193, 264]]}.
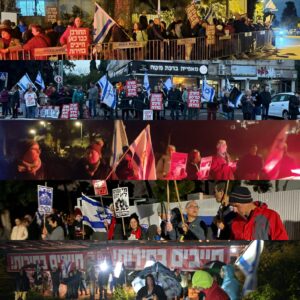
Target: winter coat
{"points": [[265, 98], [262, 224], [215, 293], [22, 283], [4, 96], [56, 235], [12, 44], [157, 290], [220, 169], [38, 41], [247, 105], [226, 107], [230, 284], [294, 105]]}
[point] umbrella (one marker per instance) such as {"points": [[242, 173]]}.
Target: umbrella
{"points": [[163, 277]]}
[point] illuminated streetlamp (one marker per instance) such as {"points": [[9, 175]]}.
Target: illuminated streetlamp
{"points": [[79, 124], [32, 132]]}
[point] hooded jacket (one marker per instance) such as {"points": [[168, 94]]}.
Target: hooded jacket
{"points": [[230, 284], [262, 224]]}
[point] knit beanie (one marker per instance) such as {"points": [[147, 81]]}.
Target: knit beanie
{"points": [[240, 194], [202, 279]]}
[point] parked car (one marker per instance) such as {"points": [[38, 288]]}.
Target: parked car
{"points": [[279, 106]]}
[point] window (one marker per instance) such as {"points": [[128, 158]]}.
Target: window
{"points": [[29, 7]]}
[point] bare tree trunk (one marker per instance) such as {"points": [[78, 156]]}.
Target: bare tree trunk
{"points": [[124, 9], [277, 189], [285, 185]]}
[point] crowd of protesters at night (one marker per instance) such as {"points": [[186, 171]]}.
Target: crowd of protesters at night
{"points": [[236, 219], [31, 36]]}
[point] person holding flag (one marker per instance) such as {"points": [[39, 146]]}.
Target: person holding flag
{"points": [[39, 80], [208, 93], [228, 106], [254, 220]]}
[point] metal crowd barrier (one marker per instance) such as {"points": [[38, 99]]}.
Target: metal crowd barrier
{"points": [[177, 49]]}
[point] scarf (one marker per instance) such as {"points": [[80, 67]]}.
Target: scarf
{"points": [[31, 168], [92, 168], [111, 229]]}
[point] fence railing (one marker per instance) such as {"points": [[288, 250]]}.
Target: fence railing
{"points": [[178, 49]]}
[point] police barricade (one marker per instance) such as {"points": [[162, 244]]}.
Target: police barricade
{"points": [[50, 53], [16, 53]]}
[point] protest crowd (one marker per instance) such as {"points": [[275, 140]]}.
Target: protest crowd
{"points": [[153, 35], [132, 98], [102, 281]]}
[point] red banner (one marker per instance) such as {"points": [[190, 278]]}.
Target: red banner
{"points": [[194, 99], [78, 42], [156, 101], [188, 258], [131, 86]]}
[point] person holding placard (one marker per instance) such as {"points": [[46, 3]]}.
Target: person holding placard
{"points": [[193, 165], [30, 98], [222, 168]]}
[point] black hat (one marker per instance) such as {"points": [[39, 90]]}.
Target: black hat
{"points": [[240, 194]]}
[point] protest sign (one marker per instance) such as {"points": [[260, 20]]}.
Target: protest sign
{"points": [[78, 42], [51, 14], [156, 101], [45, 199], [121, 202], [30, 99], [148, 115], [178, 166], [194, 99], [74, 109], [210, 35], [192, 15], [131, 86], [100, 187], [205, 165]]}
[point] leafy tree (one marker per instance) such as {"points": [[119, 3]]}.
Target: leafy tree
{"points": [[289, 16], [260, 186]]}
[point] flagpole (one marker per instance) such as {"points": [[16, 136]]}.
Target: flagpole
{"points": [[179, 202]]}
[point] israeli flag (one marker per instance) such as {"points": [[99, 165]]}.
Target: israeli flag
{"points": [[94, 214], [108, 94], [168, 84], [208, 92], [146, 83], [25, 82], [248, 263], [102, 24], [39, 80]]}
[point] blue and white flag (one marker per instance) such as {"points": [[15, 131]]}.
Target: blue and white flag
{"points": [[208, 92], [147, 84], [102, 24], [168, 84], [94, 214], [236, 96], [228, 87], [25, 82], [108, 95], [248, 263], [39, 80]]}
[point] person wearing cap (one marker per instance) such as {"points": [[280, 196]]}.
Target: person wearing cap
{"points": [[136, 232], [254, 220], [91, 166], [28, 164], [204, 283], [221, 225], [222, 167], [192, 228], [7, 41], [56, 233]]}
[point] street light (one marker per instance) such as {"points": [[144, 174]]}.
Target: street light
{"points": [[79, 124], [32, 131]]}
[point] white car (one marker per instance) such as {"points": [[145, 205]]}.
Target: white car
{"points": [[279, 106]]}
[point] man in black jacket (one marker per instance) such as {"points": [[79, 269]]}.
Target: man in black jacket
{"points": [[174, 98], [265, 97], [294, 105]]}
